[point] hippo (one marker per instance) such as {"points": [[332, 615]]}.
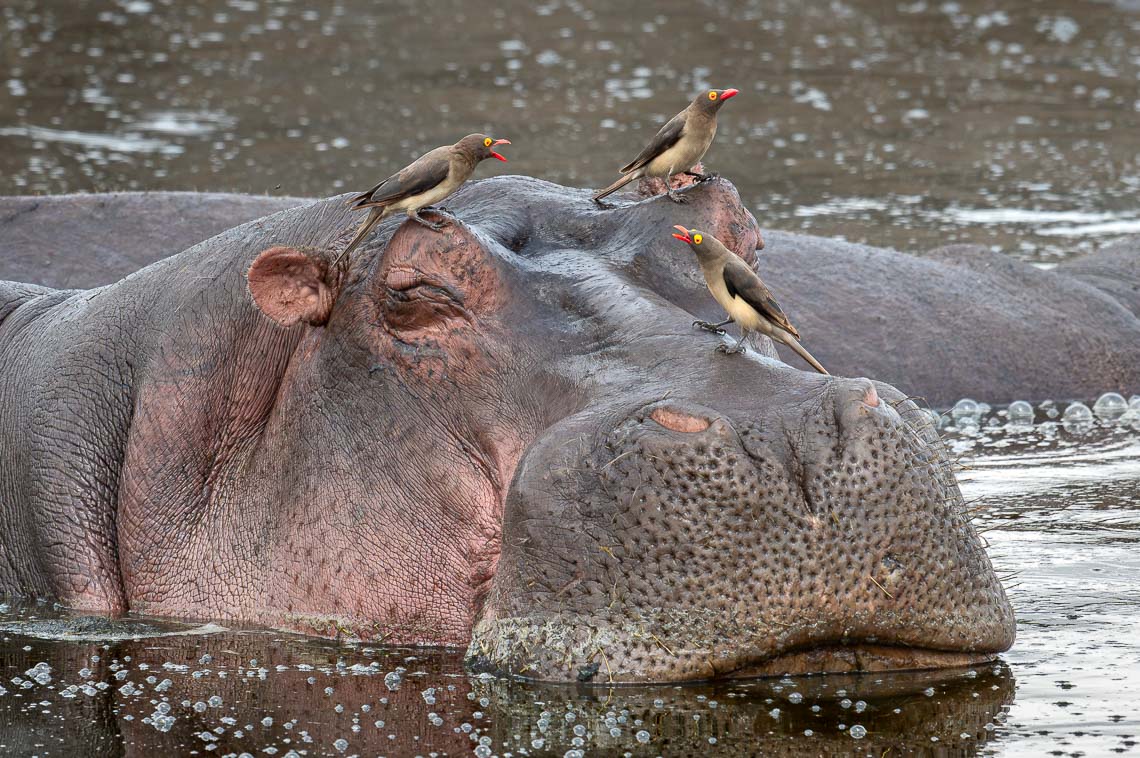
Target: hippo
{"points": [[957, 321], [504, 435]]}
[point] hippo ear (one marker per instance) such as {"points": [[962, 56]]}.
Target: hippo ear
{"points": [[289, 285]]}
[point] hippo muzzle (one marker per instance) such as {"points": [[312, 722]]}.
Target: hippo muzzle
{"points": [[684, 542]]}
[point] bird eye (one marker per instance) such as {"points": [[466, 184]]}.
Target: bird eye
{"points": [[698, 238], [487, 141], [712, 94]]}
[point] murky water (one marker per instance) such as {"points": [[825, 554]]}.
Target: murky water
{"points": [[907, 124], [1060, 506]]}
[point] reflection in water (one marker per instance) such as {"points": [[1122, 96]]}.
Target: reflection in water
{"points": [[908, 124], [263, 693]]}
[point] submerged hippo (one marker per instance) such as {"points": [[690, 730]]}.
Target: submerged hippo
{"points": [[505, 434]]}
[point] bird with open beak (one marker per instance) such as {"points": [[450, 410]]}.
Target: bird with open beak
{"points": [[427, 180], [742, 294], [680, 145]]}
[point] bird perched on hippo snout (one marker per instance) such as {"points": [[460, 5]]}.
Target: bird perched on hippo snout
{"points": [[427, 180], [679, 146], [742, 294]]}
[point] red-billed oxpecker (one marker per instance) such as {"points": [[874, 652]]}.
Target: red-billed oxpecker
{"points": [[742, 294], [680, 145], [427, 180]]}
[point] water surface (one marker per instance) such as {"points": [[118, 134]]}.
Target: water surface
{"points": [[903, 124]]}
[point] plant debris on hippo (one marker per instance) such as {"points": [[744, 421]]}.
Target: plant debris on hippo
{"points": [[505, 435]]}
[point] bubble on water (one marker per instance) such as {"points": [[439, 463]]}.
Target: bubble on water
{"points": [[1110, 406], [860, 706], [128, 689], [929, 692], [615, 732], [795, 697], [808, 732], [429, 695], [41, 673], [573, 753], [215, 701], [857, 731], [393, 680], [966, 412], [538, 743], [482, 751], [570, 715], [1077, 418], [1020, 413], [774, 713], [341, 745], [267, 721], [658, 703], [642, 736], [845, 703]]}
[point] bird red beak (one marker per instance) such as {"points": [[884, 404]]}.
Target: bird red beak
{"points": [[684, 235], [496, 143], [730, 92]]}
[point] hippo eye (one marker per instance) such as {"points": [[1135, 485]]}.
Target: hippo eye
{"points": [[487, 141], [698, 238], [712, 94]]}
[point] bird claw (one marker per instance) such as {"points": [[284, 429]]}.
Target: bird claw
{"points": [[709, 327], [680, 199], [723, 348], [708, 177]]}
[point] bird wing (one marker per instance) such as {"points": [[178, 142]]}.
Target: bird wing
{"points": [[669, 135], [421, 175], [744, 283]]}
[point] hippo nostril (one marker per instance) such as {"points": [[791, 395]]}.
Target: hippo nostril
{"points": [[677, 421]]}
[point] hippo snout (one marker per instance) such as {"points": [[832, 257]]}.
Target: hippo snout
{"points": [[687, 542]]}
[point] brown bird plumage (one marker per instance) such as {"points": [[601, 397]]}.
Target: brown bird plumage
{"points": [[678, 146], [427, 180], [742, 294]]}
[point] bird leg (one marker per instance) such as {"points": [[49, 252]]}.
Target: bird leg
{"points": [[702, 177], [735, 349], [714, 328], [447, 219]]}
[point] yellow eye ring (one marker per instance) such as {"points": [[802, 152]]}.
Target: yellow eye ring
{"points": [[698, 238], [487, 141], [712, 94]]}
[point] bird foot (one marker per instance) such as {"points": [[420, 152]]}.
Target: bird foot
{"points": [[435, 226], [603, 204], [709, 327], [676, 198], [723, 348], [708, 177]]}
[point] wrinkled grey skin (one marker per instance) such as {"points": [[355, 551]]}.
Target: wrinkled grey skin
{"points": [[961, 321], [532, 449]]}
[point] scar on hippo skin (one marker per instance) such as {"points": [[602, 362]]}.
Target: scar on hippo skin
{"points": [[289, 285]]}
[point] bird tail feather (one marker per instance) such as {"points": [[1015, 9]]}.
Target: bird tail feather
{"points": [[373, 217], [617, 185], [802, 352]]}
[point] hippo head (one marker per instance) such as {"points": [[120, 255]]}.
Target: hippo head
{"points": [[507, 434]]}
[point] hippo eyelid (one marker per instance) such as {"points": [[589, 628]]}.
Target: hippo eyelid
{"points": [[405, 280]]}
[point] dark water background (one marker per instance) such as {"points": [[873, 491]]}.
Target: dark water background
{"points": [[903, 124], [912, 124]]}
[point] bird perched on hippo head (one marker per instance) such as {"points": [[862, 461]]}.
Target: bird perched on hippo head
{"points": [[678, 146], [429, 179], [743, 295]]}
